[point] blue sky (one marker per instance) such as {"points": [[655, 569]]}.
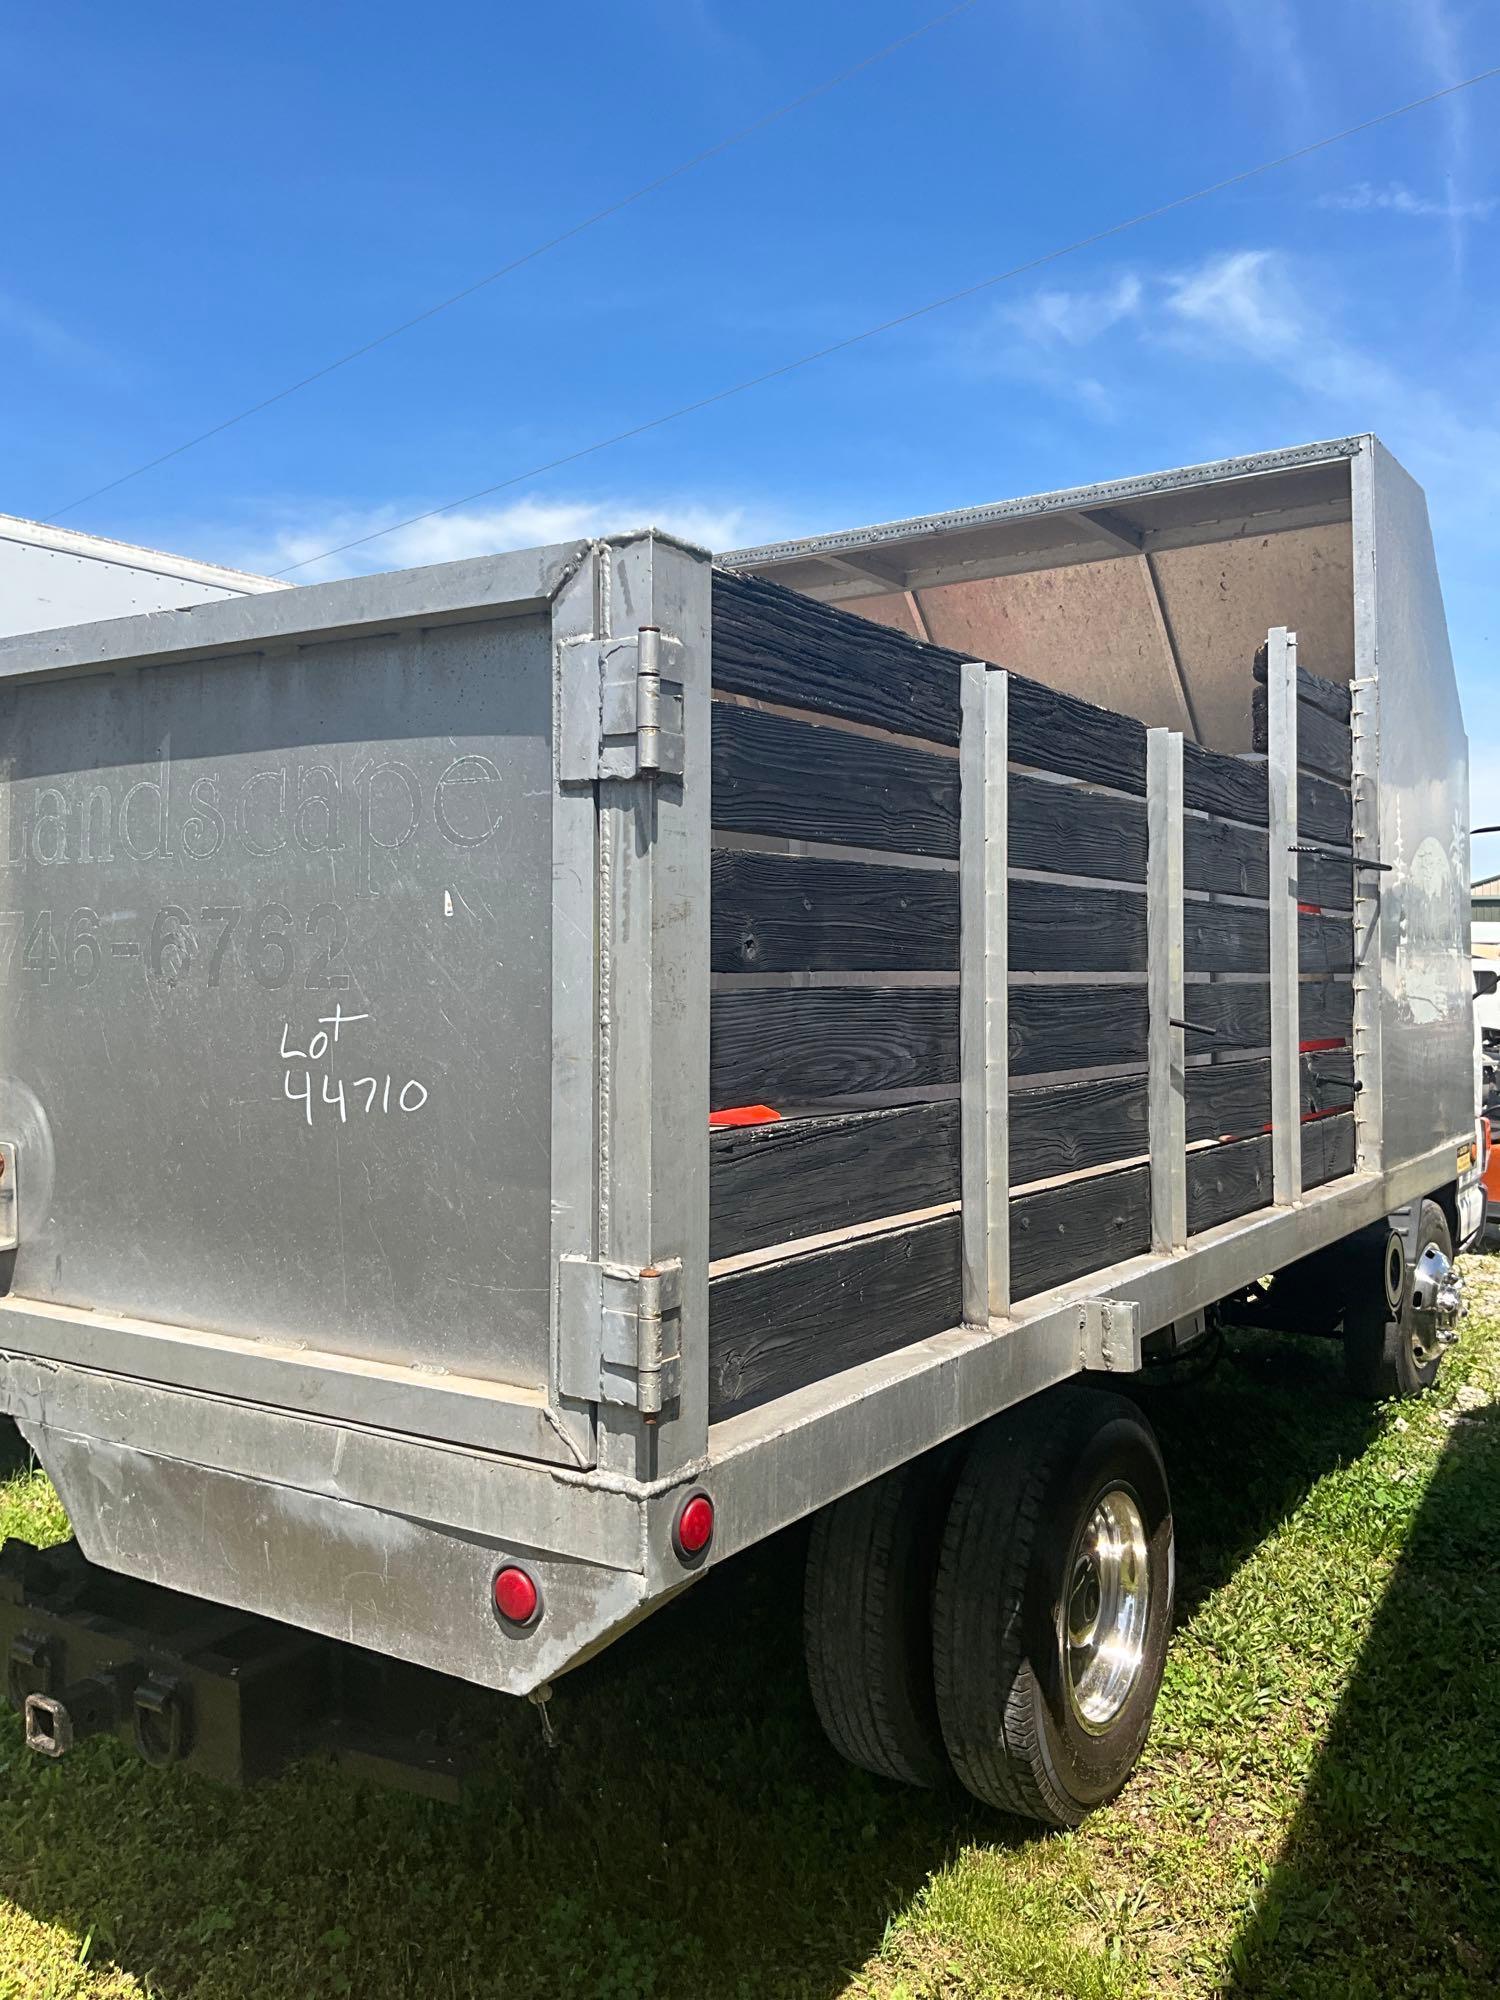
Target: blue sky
{"points": [[206, 204]]}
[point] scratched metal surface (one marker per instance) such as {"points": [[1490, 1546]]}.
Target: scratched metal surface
{"points": [[1426, 1024], [275, 970]]}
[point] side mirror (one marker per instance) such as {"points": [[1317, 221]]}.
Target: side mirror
{"points": [[1485, 983]]}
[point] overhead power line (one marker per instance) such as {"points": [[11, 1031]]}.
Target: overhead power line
{"points": [[530, 256], [901, 319]]}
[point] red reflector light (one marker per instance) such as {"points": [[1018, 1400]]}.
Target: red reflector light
{"points": [[694, 1527], [517, 1598], [744, 1114]]}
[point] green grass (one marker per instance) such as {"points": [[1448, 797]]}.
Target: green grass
{"points": [[1318, 1812]]}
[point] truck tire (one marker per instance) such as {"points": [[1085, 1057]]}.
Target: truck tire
{"points": [[1053, 1604], [867, 1622], [1383, 1354]]}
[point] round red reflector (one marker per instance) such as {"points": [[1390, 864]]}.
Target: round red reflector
{"points": [[695, 1525], [516, 1596]]}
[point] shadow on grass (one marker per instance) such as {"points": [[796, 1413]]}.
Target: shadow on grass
{"points": [[1390, 1880], [691, 1833]]}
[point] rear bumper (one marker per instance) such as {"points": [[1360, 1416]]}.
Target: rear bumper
{"points": [[383, 1542]]}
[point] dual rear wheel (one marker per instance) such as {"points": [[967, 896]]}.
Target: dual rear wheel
{"points": [[1001, 1609]]}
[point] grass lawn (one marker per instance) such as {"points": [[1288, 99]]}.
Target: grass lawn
{"points": [[1318, 1812]]}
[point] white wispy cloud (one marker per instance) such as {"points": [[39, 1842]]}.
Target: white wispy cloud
{"points": [[1396, 198], [1074, 318], [50, 341], [300, 535]]}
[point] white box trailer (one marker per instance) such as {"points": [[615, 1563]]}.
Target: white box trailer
{"points": [[522, 1078], [56, 576]]}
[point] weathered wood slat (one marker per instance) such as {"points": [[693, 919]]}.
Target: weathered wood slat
{"points": [[1069, 831], [802, 782], [1058, 732], [1062, 1127], [1331, 698], [1328, 1148], [1235, 937], [803, 1176], [1059, 927], [1325, 879], [1324, 811], [1226, 1181], [1063, 1232], [1225, 937], [798, 1047], [1324, 744], [1228, 1100], [1076, 1027], [1325, 943], [778, 646], [799, 1320], [1240, 1017], [787, 913], [1229, 787], [1223, 858], [1232, 1100], [775, 645], [1326, 1010]]}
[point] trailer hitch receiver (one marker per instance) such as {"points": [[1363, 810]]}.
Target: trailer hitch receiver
{"points": [[55, 1722]]}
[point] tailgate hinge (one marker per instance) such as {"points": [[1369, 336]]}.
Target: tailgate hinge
{"points": [[620, 1331], [621, 708]]}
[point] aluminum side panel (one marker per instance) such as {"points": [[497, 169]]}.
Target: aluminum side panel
{"points": [[1426, 1004]]}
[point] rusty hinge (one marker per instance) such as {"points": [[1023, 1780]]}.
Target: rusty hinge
{"points": [[621, 711], [620, 1328]]}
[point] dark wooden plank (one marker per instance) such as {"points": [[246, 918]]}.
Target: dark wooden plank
{"points": [[1223, 858], [801, 1319], [788, 913], [1236, 937], [1226, 1181], [1324, 744], [1063, 1232], [1229, 787], [1060, 1128], [775, 645], [1058, 732], [1225, 937], [1326, 1011], [1076, 1027], [1325, 879], [1328, 1081], [1324, 811], [804, 1176], [1069, 831], [1324, 943], [802, 782], [1232, 1100], [1059, 927], [1240, 1017], [791, 1048], [1328, 1146], [779, 646], [1228, 1100], [1330, 697]]}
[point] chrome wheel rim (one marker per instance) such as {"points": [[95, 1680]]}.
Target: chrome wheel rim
{"points": [[1106, 1611]]}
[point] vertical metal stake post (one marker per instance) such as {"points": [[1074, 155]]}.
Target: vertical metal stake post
{"points": [[1165, 990], [1281, 778], [984, 992]]}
